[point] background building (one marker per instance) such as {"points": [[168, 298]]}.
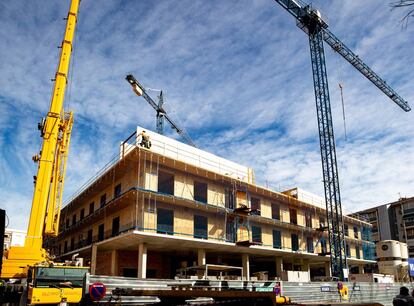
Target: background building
{"points": [[13, 237], [174, 209], [392, 221]]}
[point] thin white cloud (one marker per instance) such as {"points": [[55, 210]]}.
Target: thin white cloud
{"points": [[236, 75]]}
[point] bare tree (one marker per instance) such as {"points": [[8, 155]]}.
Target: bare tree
{"points": [[406, 4]]}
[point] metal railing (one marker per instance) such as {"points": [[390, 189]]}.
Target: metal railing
{"points": [[190, 157]]}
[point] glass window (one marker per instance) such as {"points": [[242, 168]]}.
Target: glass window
{"points": [[308, 219], [74, 219], [293, 216], [90, 235], [200, 227], [52, 276], [82, 213], [410, 233], [230, 230], [323, 246], [358, 255], [91, 207], [117, 191], [277, 241], [165, 221], [257, 234], [356, 232], [115, 226], [295, 242], [309, 244], [200, 192], [103, 200], [368, 251], [346, 230], [255, 206], [229, 194], [366, 232], [275, 211], [101, 232], [165, 183], [348, 251]]}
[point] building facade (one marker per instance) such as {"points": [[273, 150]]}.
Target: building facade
{"points": [[158, 212], [13, 237], [407, 208], [392, 221]]}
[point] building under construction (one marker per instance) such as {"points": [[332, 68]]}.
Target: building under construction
{"points": [[177, 211]]}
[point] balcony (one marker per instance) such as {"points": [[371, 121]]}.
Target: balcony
{"points": [[408, 213]]}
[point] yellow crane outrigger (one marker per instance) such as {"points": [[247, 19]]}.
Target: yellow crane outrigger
{"points": [[47, 198]]}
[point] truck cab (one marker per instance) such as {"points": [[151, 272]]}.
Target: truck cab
{"points": [[50, 285]]}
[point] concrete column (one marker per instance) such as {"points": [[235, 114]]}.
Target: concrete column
{"points": [[201, 257], [305, 265], [361, 269], [201, 260], [114, 262], [279, 266], [246, 267], [142, 260], [328, 269], [94, 254]]}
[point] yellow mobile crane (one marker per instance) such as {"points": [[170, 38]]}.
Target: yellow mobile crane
{"points": [[49, 282]]}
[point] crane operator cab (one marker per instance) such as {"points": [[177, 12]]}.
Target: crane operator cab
{"points": [[144, 140]]}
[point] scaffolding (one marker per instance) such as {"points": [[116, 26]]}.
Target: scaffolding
{"points": [[231, 214]]}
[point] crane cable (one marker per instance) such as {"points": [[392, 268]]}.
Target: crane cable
{"points": [[343, 108], [174, 111], [152, 89], [341, 87]]}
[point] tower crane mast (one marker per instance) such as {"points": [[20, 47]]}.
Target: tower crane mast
{"points": [[311, 22], [161, 113]]}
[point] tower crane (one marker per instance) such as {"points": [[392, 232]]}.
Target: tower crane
{"points": [[311, 22], [161, 113]]}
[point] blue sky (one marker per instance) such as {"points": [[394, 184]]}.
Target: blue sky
{"points": [[236, 75]]}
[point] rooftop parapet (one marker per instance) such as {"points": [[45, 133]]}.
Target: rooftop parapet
{"points": [[179, 151]]}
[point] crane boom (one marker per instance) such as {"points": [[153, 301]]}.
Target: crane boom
{"points": [[366, 71], [140, 91], [55, 131], [310, 21], [301, 12]]}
